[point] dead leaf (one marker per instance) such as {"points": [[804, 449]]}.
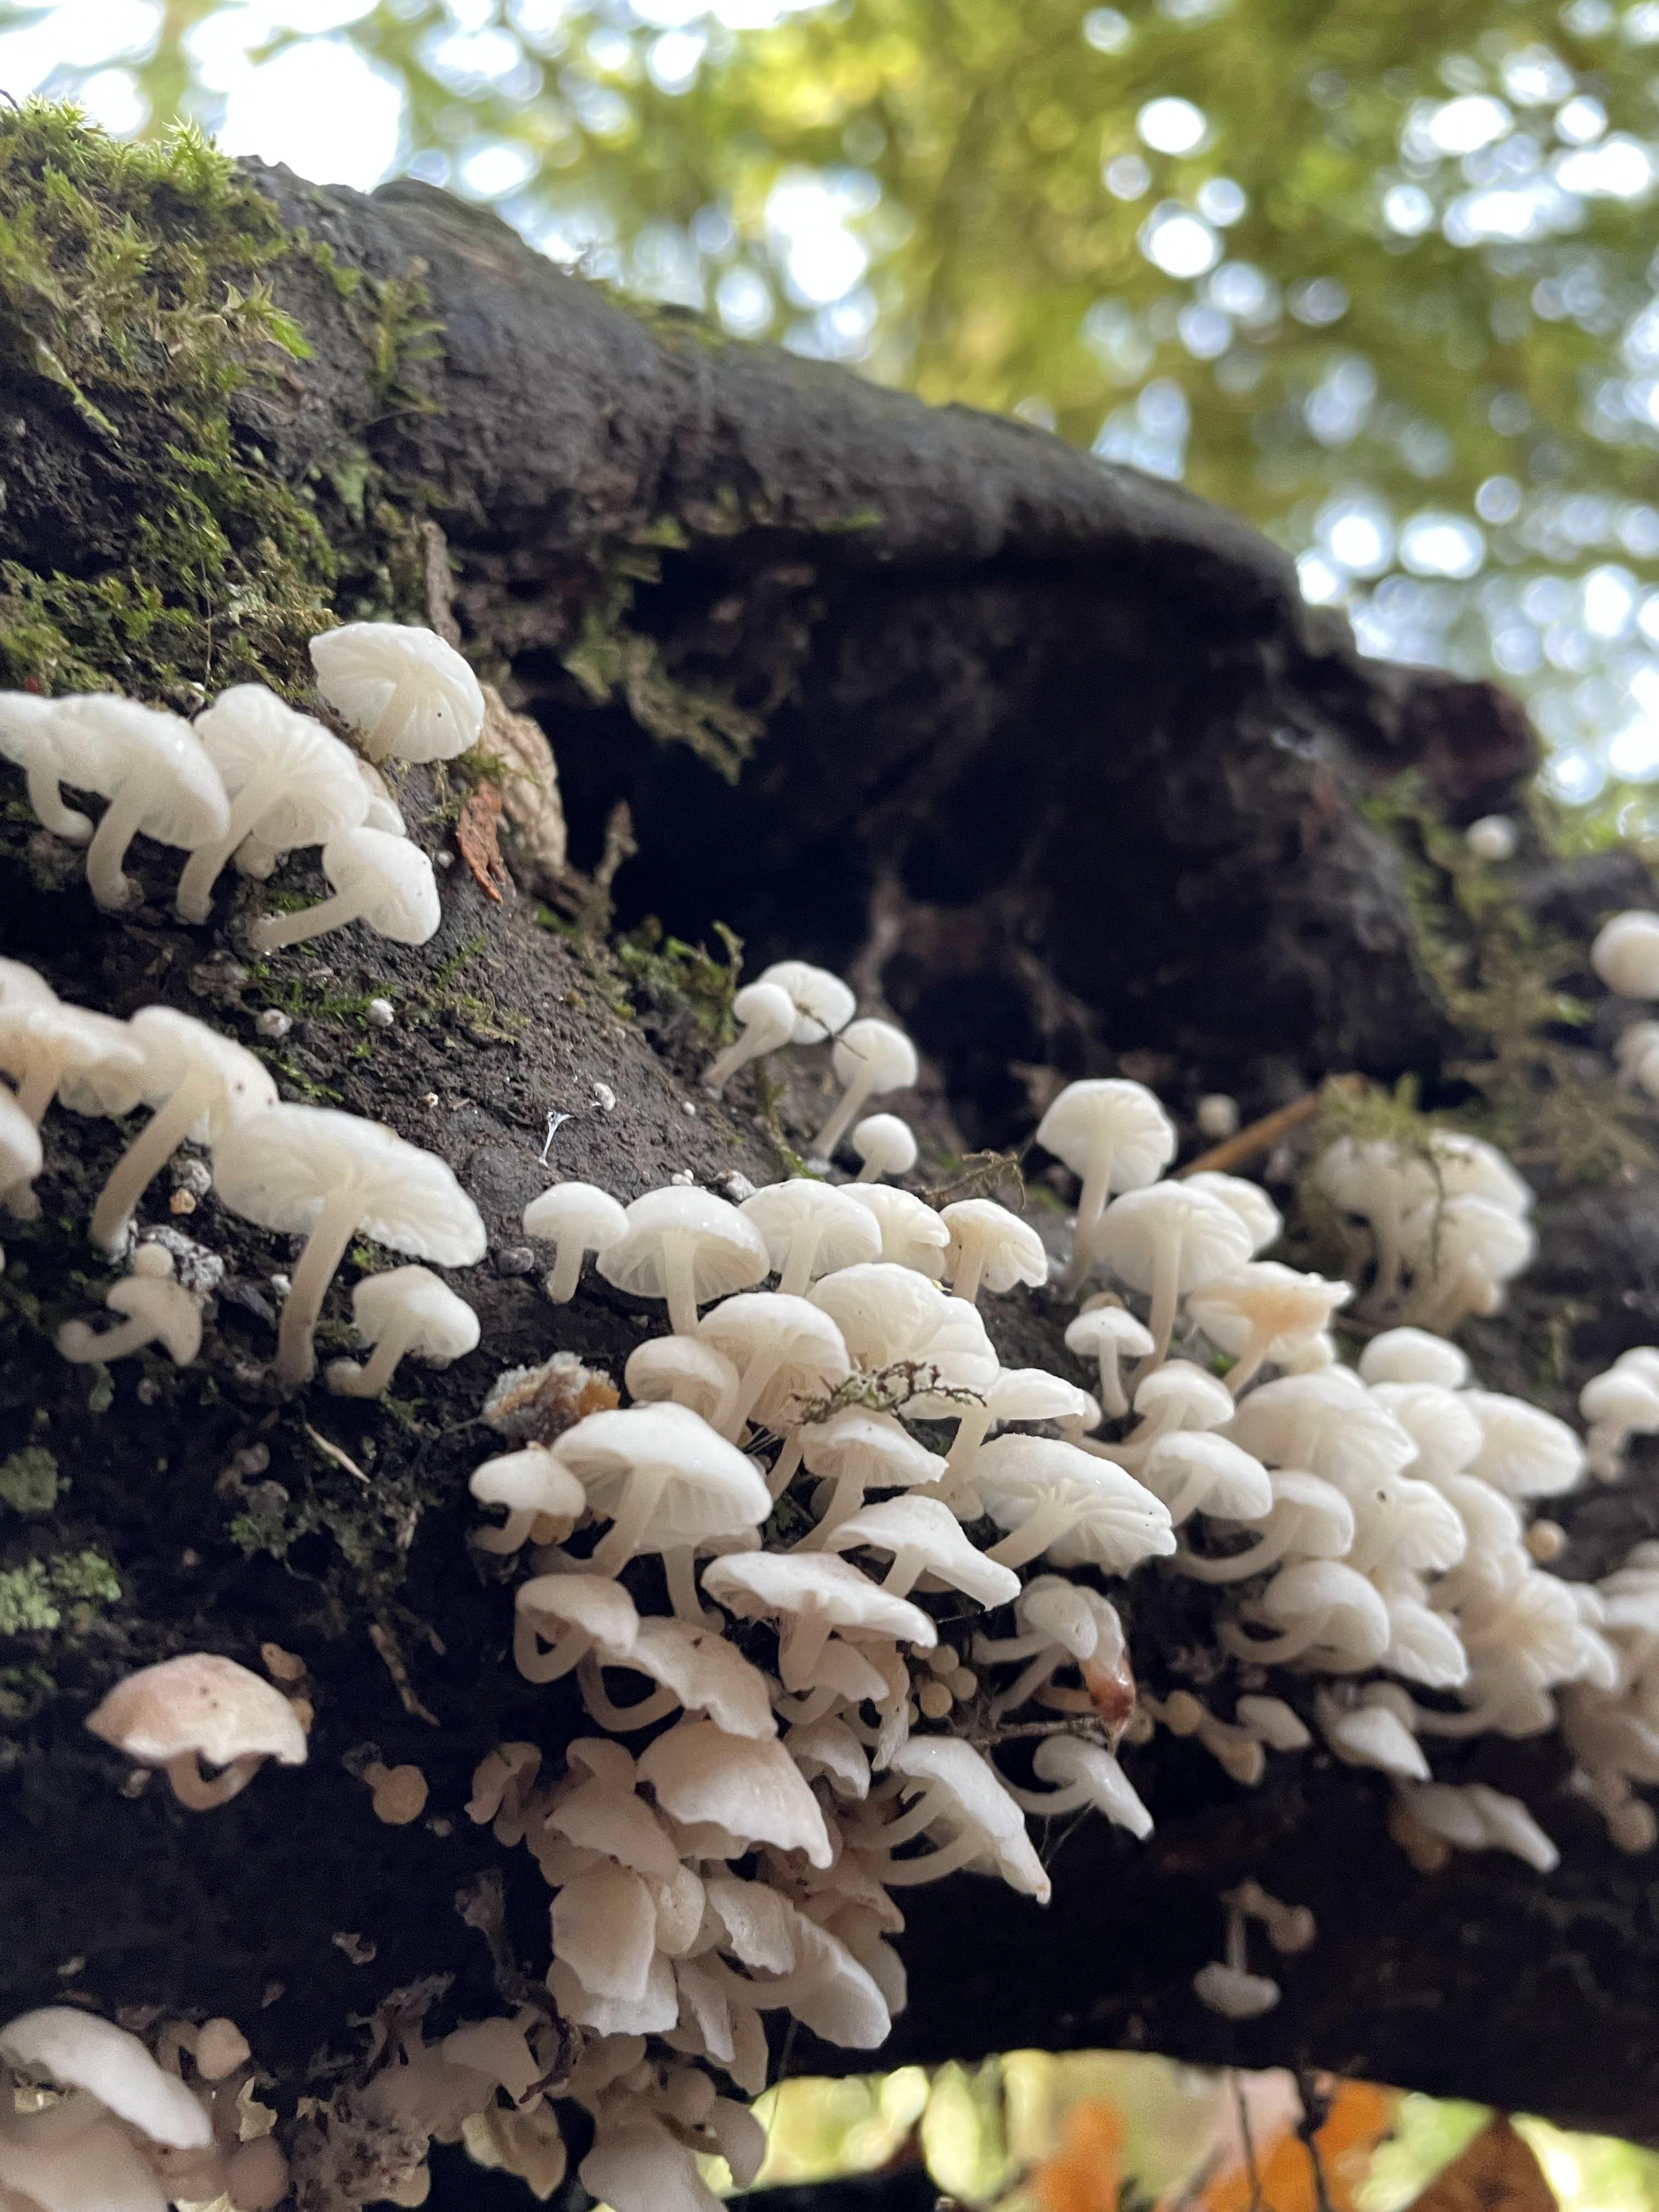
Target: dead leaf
{"points": [[1496, 2173], [530, 787], [478, 839]]}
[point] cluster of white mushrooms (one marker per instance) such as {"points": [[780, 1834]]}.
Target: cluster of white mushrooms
{"points": [[823, 1478], [251, 778]]}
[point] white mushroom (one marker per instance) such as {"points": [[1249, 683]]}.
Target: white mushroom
{"points": [[817, 1597], [1262, 1313], [989, 1244], [870, 1057], [157, 1310], [1195, 1471], [1413, 1355], [1171, 1400], [1062, 1623], [823, 1004], [911, 1234], [810, 1229], [749, 1787], [575, 1218], [307, 1171], [21, 1157], [387, 881], [200, 1707], [685, 1247], [404, 1311], [199, 1083], [1309, 1519], [572, 1614], [1625, 955], [856, 1450], [1462, 1251], [1377, 1732], [1321, 1608], [1246, 1199], [407, 695], [687, 1370], [1165, 1239], [886, 1145], [783, 1347], [1114, 1136], [1108, 1335], [51, 1049], [76, 2050], [1620, 1404], [885, 1313], [153, 770], [958, 1793], [766, 1014], [1017, 1394], [27, 726], [1082, 1773], [663, 1479], [924, 1537], [1056, 1498], [1524, 1451], [543, 1500], [289, 781]]}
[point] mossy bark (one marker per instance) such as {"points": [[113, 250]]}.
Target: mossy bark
{"points": [[1052, 758]]}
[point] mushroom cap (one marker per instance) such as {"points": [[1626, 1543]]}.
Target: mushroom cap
{"points": [[529, 1481], [278, 1167], [767, 1008], [969, 1795], [1625, 955], [1400, 1523], [18, 982], [594, 1604], [1446, 1235], [252, 736], [875, 1445], [710, 1489], [1320, 1515], [885, 1143], [962, 1357], [1373, 1176], [103, 1068], [1248, 1201], [1013, 1250], [912, 1234], [1423, 1645], [1357, 1622], [1208, 1236], [757, 1584], [1371, 1734], [706, 1674], [929, 1527], [1031, 1394], [1110, 1114], [751, 1788], [1471, 1167], [77, 2050], [728, 1254], [1623, 1395], [395, 876], [1413, 1355], [779, 1212], [1441, 1423], [1115, 1522], [445, 1327], [576, 1209], [21, 1156], [176, 1046], [1113, 1327], [1234, 1485], [202, 1703], [875, 1054], [1063, 1759], [168, 1309], [885, 1313], [1263, 1294], [361, 665], [683, 1367], [1327, 1422], [1078, 1618], [383, 811], [823, 1004], [1233, 1992], [1524, 1451], [767, 1325], [1180, 1395], [102, 741]]}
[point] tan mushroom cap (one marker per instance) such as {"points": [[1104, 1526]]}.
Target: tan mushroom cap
{"points": [[198, 1703]]}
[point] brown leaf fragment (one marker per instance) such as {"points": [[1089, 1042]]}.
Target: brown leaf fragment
{"points": [[1496, 2173], [477, 837]]}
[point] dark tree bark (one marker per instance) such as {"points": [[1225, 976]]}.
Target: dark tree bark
{"points": [[1054, 761]]}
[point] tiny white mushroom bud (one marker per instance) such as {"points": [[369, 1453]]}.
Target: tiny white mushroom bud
{"points": [[576, 1219], [1493, 837], [155, 1309], [766, 1014], [1625, 955], [1217, 1116], [386, 881], [870, 1057], [406, 1311], [885, 1144]]}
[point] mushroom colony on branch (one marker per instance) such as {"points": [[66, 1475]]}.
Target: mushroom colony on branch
{"points": [[842, 1597]]}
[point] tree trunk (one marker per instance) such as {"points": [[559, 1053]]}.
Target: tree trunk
{"points": [[1050, 757]]}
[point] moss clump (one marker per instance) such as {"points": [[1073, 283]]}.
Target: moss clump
{"points": [[28, 1480], [135, 305], [675, 977], [32, 1596]]}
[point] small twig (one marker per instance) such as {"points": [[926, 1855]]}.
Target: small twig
{"points": [[981, 1174], [339, 1458], [1259, 1136], [386, 1644], [1315, 2110]]}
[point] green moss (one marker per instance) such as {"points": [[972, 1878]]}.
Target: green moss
{"points": [[675, 976], [136, 298], [32, 1596], [28, 1480]]}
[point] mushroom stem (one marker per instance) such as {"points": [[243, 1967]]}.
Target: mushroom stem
{"points": [[756, 1375], [756, 1041], [905, 1873], [39, 1085], [965, 1283], [783, 1468], [79, 1342], [145, 1156], [802, 1648], [680, 1568], [621, 1719], [110, 839], [325, 1247], [631, 1521], [275, 930], [192, 1787], [1113, 1396], [971, 1434], [538, 1665], [193, 900], [348, 1380], [679, 1281], [511, 1534], [1033, 1536], [1070, 1797], [798, 1267], [379, 741], [47, 798], [852, 1103], [1026, 1684], [560, 1282], [1249, 1360], [1238, 1566], [1274, 1650], [871, 1171], [845, 1500], [1092, 1204], [1166, 1277]]}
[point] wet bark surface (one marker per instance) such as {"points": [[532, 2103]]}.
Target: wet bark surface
{"points": [[1055, 762]]}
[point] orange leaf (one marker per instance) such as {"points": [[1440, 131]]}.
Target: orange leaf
{"points": [[477, 836], [1496, 2173], [1085, 2174], [1360, 2115]]}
